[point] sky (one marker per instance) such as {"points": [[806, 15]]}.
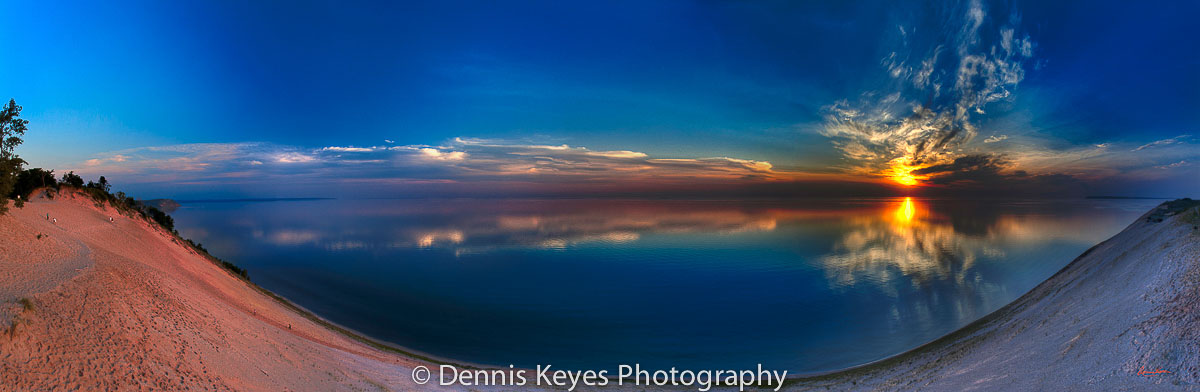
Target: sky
{"points": [[222, 99]]}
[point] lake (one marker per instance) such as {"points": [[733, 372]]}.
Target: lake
{"points": [[802, 285]]}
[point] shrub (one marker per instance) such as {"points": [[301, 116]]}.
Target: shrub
{"points": [[161, 218], [235, 269]]}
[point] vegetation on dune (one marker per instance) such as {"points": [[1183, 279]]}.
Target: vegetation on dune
{"points": [[26, 303], [1185, 206], [12, 127], [29, 180]]}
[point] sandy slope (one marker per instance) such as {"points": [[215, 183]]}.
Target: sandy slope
{"points": [[1130, 304], [120, 306]]}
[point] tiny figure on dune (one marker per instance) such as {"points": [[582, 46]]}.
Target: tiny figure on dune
{"points": [[110, 219]]}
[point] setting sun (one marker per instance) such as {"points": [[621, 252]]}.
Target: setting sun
{"points": [[901, 173], [905, 179]]}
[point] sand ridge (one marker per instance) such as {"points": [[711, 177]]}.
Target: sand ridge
{"points": [[123, 306]]}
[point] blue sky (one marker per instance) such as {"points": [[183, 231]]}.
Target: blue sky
{"points": [[181, 100]]}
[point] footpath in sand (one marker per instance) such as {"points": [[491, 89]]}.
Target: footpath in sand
{"points": [[99, 305], [94, 305]]}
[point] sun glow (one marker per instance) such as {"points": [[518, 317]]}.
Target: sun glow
{"points": [[905, 179], [901, 173]]}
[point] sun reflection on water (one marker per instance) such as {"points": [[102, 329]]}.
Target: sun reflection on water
{"points": [[907, 211]]}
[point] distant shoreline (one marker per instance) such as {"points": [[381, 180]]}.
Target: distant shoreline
{"points": [[1128, 198], [202, 201]]}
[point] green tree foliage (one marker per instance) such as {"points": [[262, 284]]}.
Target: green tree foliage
{"points": [[12, 127], [164, 220], [72, 179], [102, 184], [31, 179]]}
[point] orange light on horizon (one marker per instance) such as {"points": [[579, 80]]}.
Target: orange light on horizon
{"points": [[904, 179], [901, 173]]}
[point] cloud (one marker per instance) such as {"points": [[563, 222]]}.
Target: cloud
{"points": [[536, 161], [995, 175], [294, 157], [1103, 162], [500, 165], [1164, 142], [994, 138], [1173, 165], [347, 149], [433, 153], [945, 71]]}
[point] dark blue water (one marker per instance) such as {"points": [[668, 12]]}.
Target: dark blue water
{"points": [[800, 285]]}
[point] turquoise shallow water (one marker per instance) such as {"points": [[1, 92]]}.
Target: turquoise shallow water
{"points": [[807, 286]]}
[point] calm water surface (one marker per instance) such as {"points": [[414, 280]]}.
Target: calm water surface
{"points": [[807, 286]]}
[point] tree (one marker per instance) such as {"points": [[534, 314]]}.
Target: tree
{"points": [[30, 179], [12, 127], [161, 217], [72, 179], [100, 185]]}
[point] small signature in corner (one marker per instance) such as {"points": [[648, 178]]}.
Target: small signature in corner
{"points": [[1151, 373]]}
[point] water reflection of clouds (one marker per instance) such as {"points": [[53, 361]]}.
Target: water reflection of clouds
{"points": [[902, 242], [566, 223], [926, 255], [880, 240], [937, 241], [564, 229], [470, 228]]}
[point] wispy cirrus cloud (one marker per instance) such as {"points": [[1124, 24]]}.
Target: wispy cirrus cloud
{"points": [[1165, 142], [462, 160], [949, 68], [943, 73], [995, 138]]}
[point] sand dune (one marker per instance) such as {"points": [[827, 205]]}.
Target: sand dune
{"points": [[99, 305], [122, 306]]}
